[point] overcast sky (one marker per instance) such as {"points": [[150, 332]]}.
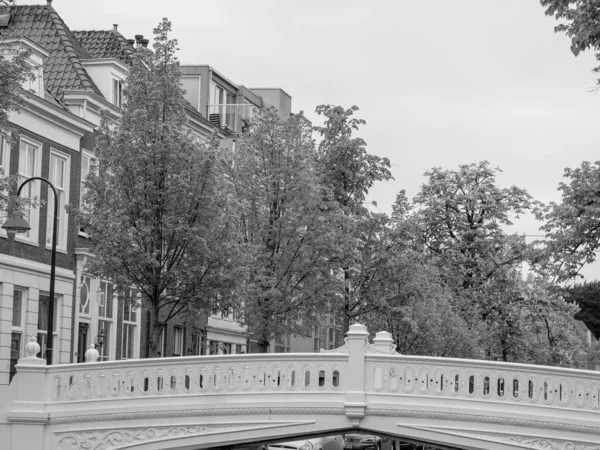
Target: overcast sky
{"points": [[440, 83]]}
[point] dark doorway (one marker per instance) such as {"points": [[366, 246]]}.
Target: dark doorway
{"points": [[82, 341]]}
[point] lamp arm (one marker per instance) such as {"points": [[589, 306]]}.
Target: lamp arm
{"points": [[50, 331]]}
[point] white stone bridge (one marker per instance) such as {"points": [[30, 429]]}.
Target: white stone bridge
{"points": [[221, 401]]}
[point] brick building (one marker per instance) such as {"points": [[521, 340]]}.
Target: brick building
{"points": [[78, 74]]}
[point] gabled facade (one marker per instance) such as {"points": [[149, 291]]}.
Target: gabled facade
{"points": [[78, 74]]}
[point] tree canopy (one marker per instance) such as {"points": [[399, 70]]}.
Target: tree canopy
{"points": [[290, 229], [153, 207]]}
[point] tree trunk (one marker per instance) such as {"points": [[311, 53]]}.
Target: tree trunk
{"points": [[154, 334], [263, 345], [346, 318]]}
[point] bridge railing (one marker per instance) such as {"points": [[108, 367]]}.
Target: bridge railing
{"points": [[358, 376], [483, 381], [197, 376]]}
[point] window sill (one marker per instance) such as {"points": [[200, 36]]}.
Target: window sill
{"points": [[26, 241], [58, 249]]}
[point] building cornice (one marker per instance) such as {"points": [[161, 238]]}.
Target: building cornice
{"points": [[106, 61], [66, 119], [36, 268]]}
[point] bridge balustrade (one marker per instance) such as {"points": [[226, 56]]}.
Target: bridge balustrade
{"points": [[211, 401], [200, 375], [483, 381]]}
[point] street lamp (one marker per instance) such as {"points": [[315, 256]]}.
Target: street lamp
{"points": [[101, 338], [17, 224]]}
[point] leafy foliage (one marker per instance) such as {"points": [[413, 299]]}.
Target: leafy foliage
{"points": [[153, 209], [290, 229], [462, 213], [15, 70], [347, 172], [573, 226], [581, 22]]}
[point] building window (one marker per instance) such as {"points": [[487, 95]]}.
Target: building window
{"points": [[84, 296], [105, 319], [128, 348], [117, 92], [30, 166], [316, 339], [331, 338], [199, 343], [59, 177], [16, 340], [4, 171], [35, 84], [86, 165], [177, 341], [239, 349], [162, 341], [42, 328]]}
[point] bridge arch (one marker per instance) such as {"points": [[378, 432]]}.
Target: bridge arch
{"points": [[215, 401]]}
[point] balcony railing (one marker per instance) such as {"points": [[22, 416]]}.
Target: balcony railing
{"points": [[234, 118]]}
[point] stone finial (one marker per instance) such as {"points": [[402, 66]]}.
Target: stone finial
{"points": [[384, 342], [358, 330], [32, 348], [92, 355]]}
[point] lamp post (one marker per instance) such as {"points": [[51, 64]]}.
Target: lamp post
{"points": [[19, 225]]}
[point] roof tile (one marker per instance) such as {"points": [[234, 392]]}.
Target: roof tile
{"points": [[63, 68]]}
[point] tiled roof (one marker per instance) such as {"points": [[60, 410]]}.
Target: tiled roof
{"points": [[63, 68], [105, 44]]}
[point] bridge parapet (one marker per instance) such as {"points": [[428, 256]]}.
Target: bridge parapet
{"points": [[467, 403], [482, 381], [199, 375]]}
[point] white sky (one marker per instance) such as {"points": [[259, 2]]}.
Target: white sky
{"points": [[440, 83]]}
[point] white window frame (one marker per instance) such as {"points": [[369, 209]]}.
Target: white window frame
{"points": [[103, 297], [134, 326], [35, 84], [178, 343], [63, 200], [5, 165], [33, 187], [117, 87], [20, 328], [81, 312], [57, 326], [82, 189], [162, 342]]}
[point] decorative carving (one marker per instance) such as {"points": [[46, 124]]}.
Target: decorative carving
{"points": [[105, 440], [32, 348], [551, 444]]}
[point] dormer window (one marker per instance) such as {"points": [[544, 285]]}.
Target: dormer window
{"points": [[35, 84], [117, 92], [11, 46]]}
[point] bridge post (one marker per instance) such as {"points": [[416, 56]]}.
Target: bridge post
{"points": [[28, 414], [357, 343]]}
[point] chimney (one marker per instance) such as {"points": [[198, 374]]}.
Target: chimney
{"points": [[144, 42], [138, 38], [49, 3], [115, 26], [131, 42]]}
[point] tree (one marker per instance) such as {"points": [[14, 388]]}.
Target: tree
{"points": [[15, 70], [153, 209], [573, 226], [581, 24], [347, 171], [290, 229], [462, 213]]}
